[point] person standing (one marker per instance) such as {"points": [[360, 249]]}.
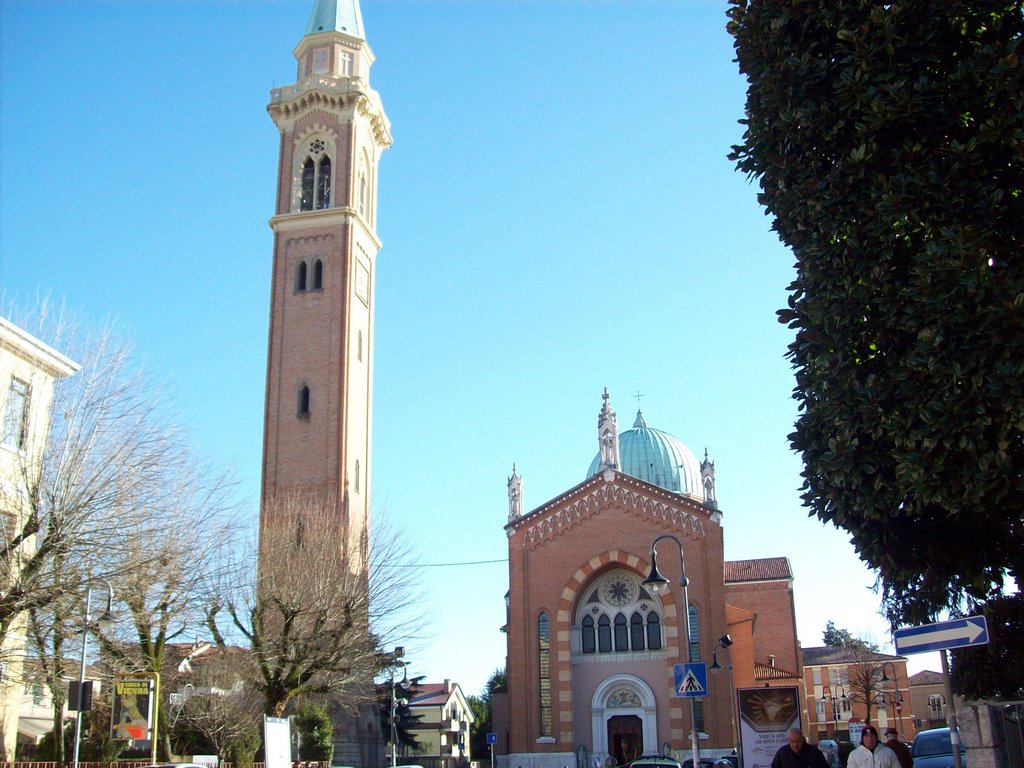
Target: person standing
{"points": [[872, 753], [892, 741], [798, 753]]}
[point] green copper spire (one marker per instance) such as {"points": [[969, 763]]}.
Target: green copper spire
{"points": [[336, 16]]}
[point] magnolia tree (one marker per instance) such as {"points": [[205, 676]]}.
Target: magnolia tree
{"points": [[886, 139]]}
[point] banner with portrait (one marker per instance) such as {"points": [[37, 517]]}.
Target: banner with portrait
{"points": [[131, 710]]}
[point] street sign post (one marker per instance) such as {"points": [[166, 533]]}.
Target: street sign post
{"points": [[956, 633], [691, 680]]}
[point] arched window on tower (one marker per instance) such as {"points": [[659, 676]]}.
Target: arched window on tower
{"points": [[308, 184], [544, 659], [323, 183], [300, 276], [362, 192], [303, 401], [318, 275]]}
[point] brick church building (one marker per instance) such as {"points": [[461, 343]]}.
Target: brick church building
{"points": [[591, 648]]}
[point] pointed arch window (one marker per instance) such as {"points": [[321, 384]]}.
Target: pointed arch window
{"points": [[653, 631], [544, 659], [589, 643], [303, 401], [694, 634], [621, 633], [604, 634], [636, 631], [308, 182], [357, 476], [317, 282], [301, 274]]}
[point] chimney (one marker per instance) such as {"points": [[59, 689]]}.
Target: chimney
{"points": [[447, 685]]}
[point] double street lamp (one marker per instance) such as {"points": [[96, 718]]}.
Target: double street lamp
{"points": [[659, 584], [833, 696], [104, 622], [396, 702], [724, 642]]}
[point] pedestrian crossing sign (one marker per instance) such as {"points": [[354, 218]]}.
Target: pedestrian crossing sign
{"points": [[691, 680]]}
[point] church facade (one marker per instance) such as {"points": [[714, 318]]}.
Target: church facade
{"points": [[591, 649]]}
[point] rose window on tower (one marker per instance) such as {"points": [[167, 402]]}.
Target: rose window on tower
{"points": [[617, 615]]}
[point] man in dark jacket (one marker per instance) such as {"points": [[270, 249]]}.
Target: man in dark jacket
{"points": [[892, 741], [798, 753]]}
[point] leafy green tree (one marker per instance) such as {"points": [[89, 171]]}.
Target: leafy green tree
{"points": [[887, 140], [996, 669], [405, 691], [481, 707], [314, 726], [841, 638]]}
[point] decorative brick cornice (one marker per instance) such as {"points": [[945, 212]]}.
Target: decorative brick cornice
{"points": [[547, 522]]}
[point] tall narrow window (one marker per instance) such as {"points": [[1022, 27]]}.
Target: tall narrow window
{"points": [[362, 192], [16, 415], [653, 631], [621, 633], [636, 631], [357, 476], [694, 635], [303, 404], [323, 183], [359, 345], [308, 179], [589, 639], [300, 276], [604, 634], [544, 659], [318, 275]]}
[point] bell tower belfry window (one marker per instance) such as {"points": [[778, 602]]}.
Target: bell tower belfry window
{"points": [[315, 177]]}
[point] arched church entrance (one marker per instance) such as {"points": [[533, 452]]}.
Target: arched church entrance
{"points": [[625, 738], [624, 718]]}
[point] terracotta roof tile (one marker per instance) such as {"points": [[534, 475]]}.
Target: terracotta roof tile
{"points": [[771, 672], [827, 654], [762, 569], [926, 677]]}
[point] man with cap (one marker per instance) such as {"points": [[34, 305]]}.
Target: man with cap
{"points": [[892, 741], [872, 753]]}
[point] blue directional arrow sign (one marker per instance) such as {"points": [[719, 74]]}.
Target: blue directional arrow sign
{"points": [[957, 633], [691, 680]]}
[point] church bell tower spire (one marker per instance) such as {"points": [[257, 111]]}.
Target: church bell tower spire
{"points": [[333, 130]]}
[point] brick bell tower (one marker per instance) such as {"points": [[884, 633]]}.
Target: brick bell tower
{"points": [[320, 358]]}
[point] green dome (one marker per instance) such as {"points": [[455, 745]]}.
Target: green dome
{"points": [[657, 458]]}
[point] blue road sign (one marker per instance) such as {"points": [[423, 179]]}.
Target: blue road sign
{"points": [[492, 738], [956, 633], [691, 680]]}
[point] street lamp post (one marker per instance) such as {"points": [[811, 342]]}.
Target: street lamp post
{"points": [[724, 642], [826, 695], [658, 584], [838, 698], [106, 619], [399, 653]]}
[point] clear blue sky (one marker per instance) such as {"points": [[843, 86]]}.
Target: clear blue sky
{"points": [[558, 216]]}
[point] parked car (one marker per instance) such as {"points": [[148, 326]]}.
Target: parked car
{"points": [[934, 749], [710, 762], [655, 761], [830, 749]]}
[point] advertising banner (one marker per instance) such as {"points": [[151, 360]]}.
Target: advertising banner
{"points": [[765, 716], [131, 708]]}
